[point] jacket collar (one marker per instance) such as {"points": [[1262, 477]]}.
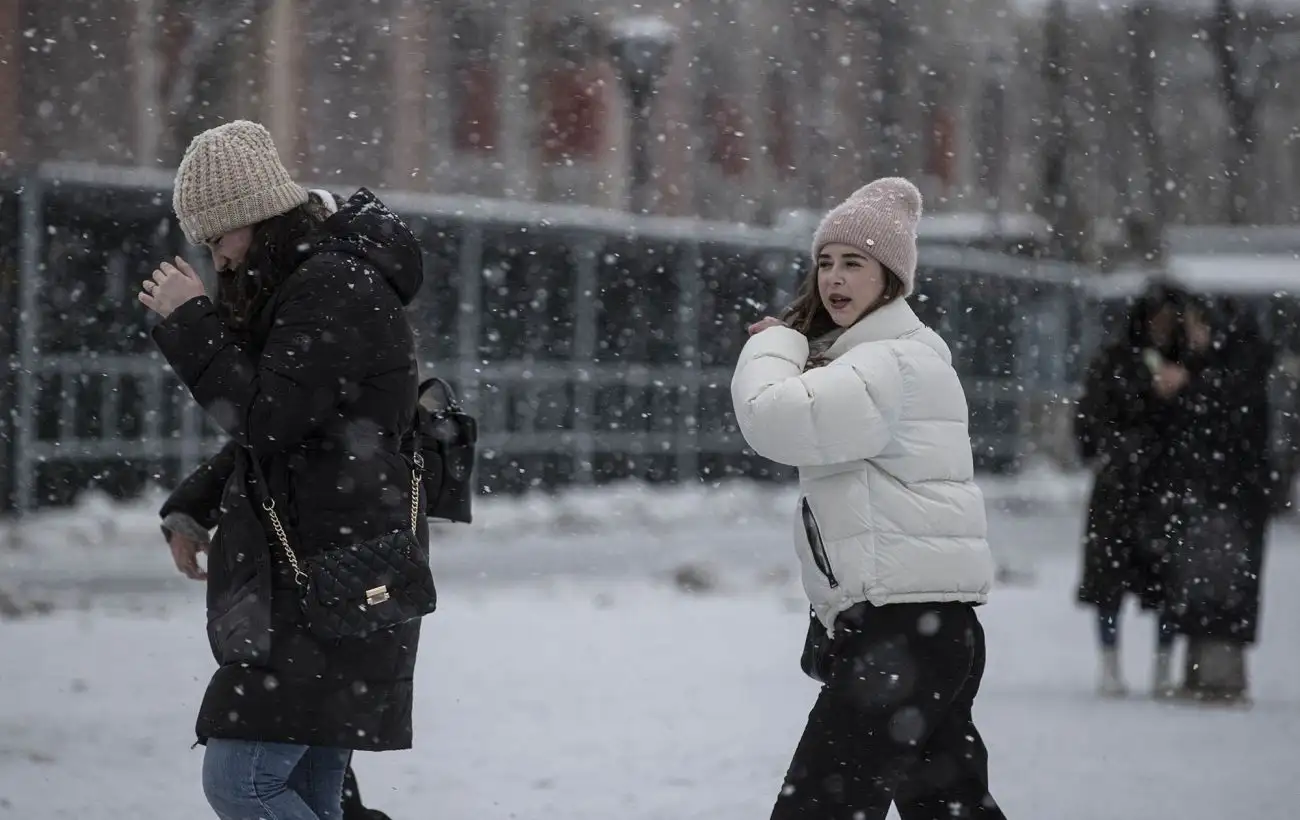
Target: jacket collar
{"points": [[893, 321]]}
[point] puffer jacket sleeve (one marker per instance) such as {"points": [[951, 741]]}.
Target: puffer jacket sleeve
{"points": [[198, 497], [272, 403], [845, 411]]}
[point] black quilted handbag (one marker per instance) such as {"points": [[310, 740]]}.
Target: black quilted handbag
{"points": [[362, 588]]}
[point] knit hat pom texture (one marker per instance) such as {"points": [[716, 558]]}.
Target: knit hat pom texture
{"points": [[879, 219]]}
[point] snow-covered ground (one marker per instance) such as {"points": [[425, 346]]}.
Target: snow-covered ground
{"points": [[565, 676]]}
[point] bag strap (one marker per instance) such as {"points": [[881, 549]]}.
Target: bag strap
{"points": [[453, 403], [268, 505]]}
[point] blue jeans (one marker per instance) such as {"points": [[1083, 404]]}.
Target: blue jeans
{"points": [[252, 780]]}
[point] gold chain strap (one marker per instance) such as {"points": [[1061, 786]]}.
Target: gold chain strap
{"points": [[415, 491], [300, 577]]}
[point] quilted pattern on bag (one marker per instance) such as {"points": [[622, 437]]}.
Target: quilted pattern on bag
{"points": [[337, 603]]}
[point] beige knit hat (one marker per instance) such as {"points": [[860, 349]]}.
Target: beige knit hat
{"points": [[231, 177], [880, 219]]}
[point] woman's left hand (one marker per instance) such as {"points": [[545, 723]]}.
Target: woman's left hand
{"points": [[170, 287], [764, 324]]}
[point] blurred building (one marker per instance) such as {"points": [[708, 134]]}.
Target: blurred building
{"points": [[762, 107]]}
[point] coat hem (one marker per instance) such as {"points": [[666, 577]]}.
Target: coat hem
{"points": [[271, 737]]}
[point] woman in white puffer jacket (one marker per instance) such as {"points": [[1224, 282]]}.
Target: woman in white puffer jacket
{"points": [[851, 388]]}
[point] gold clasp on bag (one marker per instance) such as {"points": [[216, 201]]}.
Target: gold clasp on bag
{"points": [[377, 595]]}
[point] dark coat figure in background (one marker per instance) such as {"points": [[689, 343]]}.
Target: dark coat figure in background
{"points": [[1214, 577], [1175, 416], [1233, 475], [1133, 424]]}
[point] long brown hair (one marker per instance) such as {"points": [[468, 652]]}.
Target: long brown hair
{"points": [[277, 244], [809, 316]]}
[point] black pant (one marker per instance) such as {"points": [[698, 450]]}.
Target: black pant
{"points": [[893, 723]]}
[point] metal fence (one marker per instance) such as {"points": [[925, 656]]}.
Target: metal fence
{"points": [[592, 345]]}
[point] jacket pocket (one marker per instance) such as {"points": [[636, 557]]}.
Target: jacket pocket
{"points": [[239, 628], [815, 544]]}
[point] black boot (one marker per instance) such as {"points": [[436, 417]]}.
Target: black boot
{"points": [[352, 807], [1216, 672]]}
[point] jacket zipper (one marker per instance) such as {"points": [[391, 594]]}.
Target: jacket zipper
{"points": [[816, 545]]}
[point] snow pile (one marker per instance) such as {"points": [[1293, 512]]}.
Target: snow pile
{"points": [[103, 542], [631, 505], [1040, 486], [98, 521], [94, 521]]}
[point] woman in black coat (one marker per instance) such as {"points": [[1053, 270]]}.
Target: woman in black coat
{"points": [[306, 360], [1133, 424]]}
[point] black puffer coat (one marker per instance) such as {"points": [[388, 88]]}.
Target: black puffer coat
{"points": [[322, 392]]}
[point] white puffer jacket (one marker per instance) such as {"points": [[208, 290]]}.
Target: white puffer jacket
{"points": [[889, 511]]}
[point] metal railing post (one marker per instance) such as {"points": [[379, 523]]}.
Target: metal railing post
{"points": [[468, 319], [586, 287], [191, 415], [31, 248], [688, 358]]}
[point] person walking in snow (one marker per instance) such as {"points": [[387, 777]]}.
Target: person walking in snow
{"points": [[1133, 423], [852, 389], [307, 361]]}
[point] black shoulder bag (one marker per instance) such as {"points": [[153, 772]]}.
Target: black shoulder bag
{"points": [[815, 660], [448, 436], [362, 588]]}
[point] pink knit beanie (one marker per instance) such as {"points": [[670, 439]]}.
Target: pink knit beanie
{"points": [[880, 220]]}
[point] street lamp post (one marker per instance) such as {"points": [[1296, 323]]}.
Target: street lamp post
{"points": [[995, 135], [640, 47]]}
